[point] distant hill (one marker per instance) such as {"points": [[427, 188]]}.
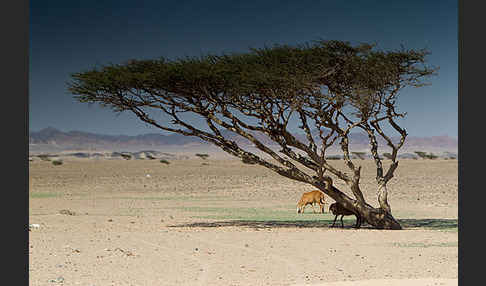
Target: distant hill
{"points": [[73, 140]]}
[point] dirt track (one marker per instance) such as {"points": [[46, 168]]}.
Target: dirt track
{"points": [[221, 222]]}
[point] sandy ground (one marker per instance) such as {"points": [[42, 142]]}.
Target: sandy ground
{"points": [[221, 222]]}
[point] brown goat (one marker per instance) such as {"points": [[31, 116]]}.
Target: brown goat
{"points": [[338, 209], [311, 198]]}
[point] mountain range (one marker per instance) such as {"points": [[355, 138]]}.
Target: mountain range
{"points": [[72, 140]]}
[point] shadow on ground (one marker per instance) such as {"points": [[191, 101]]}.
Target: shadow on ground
{"points": [[435, 224]]}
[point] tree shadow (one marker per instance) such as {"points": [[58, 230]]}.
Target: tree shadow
{"points": [[435, 224]]}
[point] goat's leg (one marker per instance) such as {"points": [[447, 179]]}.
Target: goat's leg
{"points": [[342, 224], [313, 209], [358, 221], [334, 221]]}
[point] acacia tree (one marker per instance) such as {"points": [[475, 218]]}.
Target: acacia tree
{"points": [[329, 87]]}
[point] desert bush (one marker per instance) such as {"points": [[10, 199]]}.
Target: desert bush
{"points": [[360, 155], [431, 156], [126, 156], [421, 154], [424, 155], [164, 161], [333, 157], [44, 157], [57, 162], [202, 156], [387, 155]]}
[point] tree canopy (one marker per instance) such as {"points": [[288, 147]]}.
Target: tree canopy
{"points": [[329, 87]]}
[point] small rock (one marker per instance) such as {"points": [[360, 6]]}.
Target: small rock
{"points": [[33, 225], [196, 249], [67, 212], [59, 279], [110, 220]]}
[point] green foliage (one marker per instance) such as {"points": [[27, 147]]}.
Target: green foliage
{"points": [[354, 74], [57, 162], [164, 161]]}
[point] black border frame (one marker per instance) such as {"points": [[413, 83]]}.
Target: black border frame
{"points": [[14, 22]]}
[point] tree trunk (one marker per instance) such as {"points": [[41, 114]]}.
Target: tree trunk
{"points": [[383, 198], [377, 217]]}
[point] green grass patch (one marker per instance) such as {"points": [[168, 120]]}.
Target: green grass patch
{"points": [[174, 198], [433, 224], [256, 214], [425, 245], [43, 195]]}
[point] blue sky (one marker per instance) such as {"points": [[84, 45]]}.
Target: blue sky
{"points": [[68, 37]]}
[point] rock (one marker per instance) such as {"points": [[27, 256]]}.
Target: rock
{"points": [[33, 225], [59, 279], [67, 212]]}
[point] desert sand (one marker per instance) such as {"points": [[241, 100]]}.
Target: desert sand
{"points": [[222, 222]]}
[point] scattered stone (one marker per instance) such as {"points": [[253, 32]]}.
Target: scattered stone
{"points": [[126, 252], [110, 220], [67, 212], [33, 225], [59, 279]]}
